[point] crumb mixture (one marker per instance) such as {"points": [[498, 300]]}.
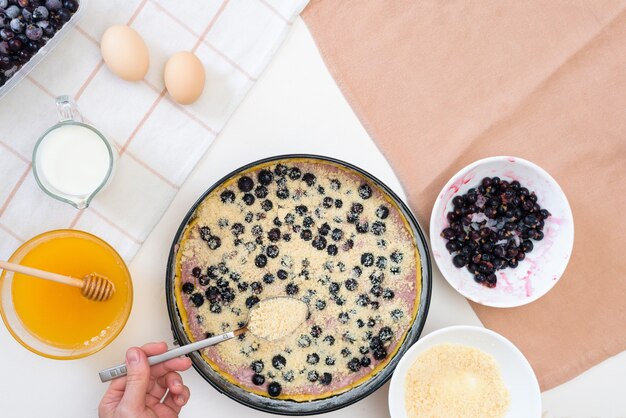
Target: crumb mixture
{"points": [[276, 318], [450, 380], [313, 231]]}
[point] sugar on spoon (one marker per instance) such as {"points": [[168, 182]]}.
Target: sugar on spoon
{"points": [[271, 319], [93, 286]]}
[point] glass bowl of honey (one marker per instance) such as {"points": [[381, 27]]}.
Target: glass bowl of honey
{"points": [[55, 320]]}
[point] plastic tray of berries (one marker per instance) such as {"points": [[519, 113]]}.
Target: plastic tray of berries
{"points": [[492, 227], [29, 30]]}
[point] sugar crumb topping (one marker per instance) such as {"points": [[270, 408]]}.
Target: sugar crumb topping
{"points": [[275, 318], [452, 380]]}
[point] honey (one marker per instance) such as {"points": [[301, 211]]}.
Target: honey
{"points": [[58, 314]]}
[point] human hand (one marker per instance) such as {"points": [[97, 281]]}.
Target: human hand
{"points": [[139, 394]]}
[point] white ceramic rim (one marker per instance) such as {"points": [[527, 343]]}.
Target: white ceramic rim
{"points": [[435, 234], [396, 388]]}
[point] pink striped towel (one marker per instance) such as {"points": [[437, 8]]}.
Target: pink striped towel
{"points": [[159, 141]]}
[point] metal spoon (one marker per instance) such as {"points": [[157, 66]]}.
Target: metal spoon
{"points": [[121, 370]]}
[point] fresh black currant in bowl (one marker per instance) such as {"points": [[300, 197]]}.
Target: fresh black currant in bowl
{"points": [[492, 227]]}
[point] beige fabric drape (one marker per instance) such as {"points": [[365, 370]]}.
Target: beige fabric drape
{"points": [[439, 84]]}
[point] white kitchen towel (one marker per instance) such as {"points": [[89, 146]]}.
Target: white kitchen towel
{"points": [[159, 141]]}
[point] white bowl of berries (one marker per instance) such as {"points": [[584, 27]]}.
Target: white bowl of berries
{"points": [[502, 232]]}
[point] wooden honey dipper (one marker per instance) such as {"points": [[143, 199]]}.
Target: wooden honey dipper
{"points": [[93, 286]]}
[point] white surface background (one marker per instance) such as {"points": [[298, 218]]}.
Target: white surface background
{"points": [[294, 107]]}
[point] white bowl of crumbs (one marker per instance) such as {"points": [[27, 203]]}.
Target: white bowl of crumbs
{"points": [[464, 372]]}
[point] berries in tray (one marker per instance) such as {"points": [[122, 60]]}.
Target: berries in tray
{"points": [[26, 26], [492, 227]]}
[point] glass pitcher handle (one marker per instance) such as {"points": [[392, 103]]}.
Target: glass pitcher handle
{"points": [[67, 109]]}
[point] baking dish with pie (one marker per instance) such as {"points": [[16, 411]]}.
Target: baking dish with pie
{"points": [[312, 228]]}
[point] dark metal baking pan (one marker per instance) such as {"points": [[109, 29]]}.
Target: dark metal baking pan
{"points": [[288, 407]]}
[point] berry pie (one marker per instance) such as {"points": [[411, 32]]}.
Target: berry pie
{"points": [[307, 229]]}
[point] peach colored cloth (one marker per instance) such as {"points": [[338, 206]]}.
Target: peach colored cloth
{"points": [[441, 84]]}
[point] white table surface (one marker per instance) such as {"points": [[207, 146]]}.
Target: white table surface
{"points": [[294, 107]]}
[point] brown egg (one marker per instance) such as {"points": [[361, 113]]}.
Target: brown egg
{"points": [[125, 52], [184, 77]]}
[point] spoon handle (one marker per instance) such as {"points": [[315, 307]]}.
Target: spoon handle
{"points": [[120, 370], [29, 271]]}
